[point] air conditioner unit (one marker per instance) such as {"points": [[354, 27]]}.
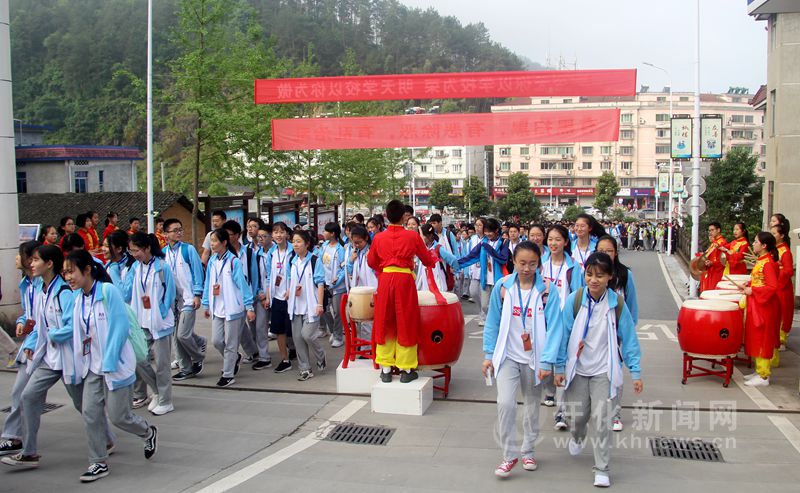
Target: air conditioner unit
{"points": [[642, 121], [565, 156], [572, 156], [497, 168], [627, 171], [569, 171], [527, 158]]}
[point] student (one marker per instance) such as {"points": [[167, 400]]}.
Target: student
{"points": [[253, 225], [277, 272], [536, 235], [150, 290], [513, 241], [736, 250], [306, 290], [250, 271], [65, 226], [587, 231], [396, 323], [491, 254], [334, 263], [520, 316], [348, 251], [162, 239], [373, 226], [187, 271], [785, 286], [218, 218], [95, 218], [49, 235], [227, 298], [445, 259], [446, 237], [255, 275], [135, 224], [104, 359], [11, 438], [84, 223], [463, 277], [361, 273], [587, 352], [763, 312], [111, 224], [623, 284], [412, 224], [115, 249]]}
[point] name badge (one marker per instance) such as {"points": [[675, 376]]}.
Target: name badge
{"points": [[278, 280], [146, 302], [29, 325], [526, 342], [215, 289], [87, 346]]}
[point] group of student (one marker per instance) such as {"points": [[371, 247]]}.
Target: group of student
{"points": [[769, 294]]}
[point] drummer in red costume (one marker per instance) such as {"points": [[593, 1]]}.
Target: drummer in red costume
{"points": [[713, 261], [396, 322], [736, 250], [785, 287], [762, 320]]}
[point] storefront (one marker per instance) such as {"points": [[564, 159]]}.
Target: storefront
{"points": [[636, 198]]}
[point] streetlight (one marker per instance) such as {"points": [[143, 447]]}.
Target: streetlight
{"points": [[669, 205]]}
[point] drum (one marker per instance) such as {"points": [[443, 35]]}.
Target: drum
{"points": [[739, 278], [722, 295], [441, 335], [360, 303], [727, 286], [710, 328]]}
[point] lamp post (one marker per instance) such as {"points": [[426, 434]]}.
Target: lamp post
{"points": [[150, 205], [671, 170]]}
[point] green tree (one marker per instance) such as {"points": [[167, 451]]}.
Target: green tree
{"points": [[476, 200], [441, 194], [606, 192], [733, 192], [520, 200], [571, 213]]}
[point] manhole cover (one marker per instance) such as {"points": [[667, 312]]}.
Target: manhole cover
{"points": [[360, 434], [685, 449], [47, 408]]}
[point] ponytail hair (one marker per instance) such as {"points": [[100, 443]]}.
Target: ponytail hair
{"points": [[336, 230], [769, 243], [51, 253], [744, 231], [83, 259], [783, 230], [428, 230], [147, 240], [43, 232]]}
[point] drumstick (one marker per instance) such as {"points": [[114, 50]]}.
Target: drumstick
{"points": [[738, 286]]}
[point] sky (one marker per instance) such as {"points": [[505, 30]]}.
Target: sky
{"points": [[625, 33]]}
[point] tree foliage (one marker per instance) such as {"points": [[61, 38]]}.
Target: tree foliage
{"points": [[571, 213], [733, 192], [476, 200], [519, 200], [606, 192], [441, 194]]}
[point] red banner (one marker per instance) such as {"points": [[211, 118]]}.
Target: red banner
{"points": [[579, 192], [447, 86], [551, 127]]}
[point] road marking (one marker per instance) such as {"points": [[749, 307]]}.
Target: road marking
{"points": [[478, 334], [235, 479], [671, 287], [667, 332], [789, 430], [644, 334], [753, 393], [469, 318]]}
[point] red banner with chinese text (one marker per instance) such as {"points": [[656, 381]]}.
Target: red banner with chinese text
{"points": [[551, 127], [447, 86]]}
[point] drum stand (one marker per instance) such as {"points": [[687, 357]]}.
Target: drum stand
{"points": [[691, 370], [444, 373], [354, 346]]}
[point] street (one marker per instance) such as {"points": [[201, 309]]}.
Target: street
{"points": [[266, 432]]}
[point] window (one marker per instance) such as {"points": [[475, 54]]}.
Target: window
{"points": [[440, 168], [524, 165], [662, 133], [587, 150], [773, 104], [544, 101], [567, 101], [624, 182], [662, 149], [455, 183], [456, 168], [586, 165], [81, 181], [626, 165], [626, 118], [626, 134], [606, 150], [422, 184], [503, 182], [763, 150], [742, 134], [100, 180], [423, 168], [587, 182], [22, 182], [683, 99], [456, 153], [763, 165], [505, 166], [737, 118], [662, 117], [749, 149], [564, 182], [736, 100], [440, 153], [661, 99], [505, 151], [564, 166], [549, 166], [626, 150], [557, 150], [524, 151], [544, 182], [605, 165], [748, 118]]}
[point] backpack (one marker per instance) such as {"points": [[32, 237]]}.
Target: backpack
{"points": [[135, 332], [450, 279], [576, 305]]}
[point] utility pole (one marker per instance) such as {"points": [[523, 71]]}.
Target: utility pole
{"points": [[696, 156]]}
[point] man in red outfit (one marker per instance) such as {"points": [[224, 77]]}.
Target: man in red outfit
{"points": [[396, 323]]}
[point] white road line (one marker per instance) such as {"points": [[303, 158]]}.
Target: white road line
{"points": [[789, 430], [753, 393], [667, 332], [675, 295], [235, 479]]}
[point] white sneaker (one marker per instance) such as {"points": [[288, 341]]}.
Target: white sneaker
{"points": [[782, 348], [337, 342], [616, 425], [174, 365], [162, 409], [481, 323], [575, 447], [153, 402], [758, 382], [601, 480], [750, 375]]}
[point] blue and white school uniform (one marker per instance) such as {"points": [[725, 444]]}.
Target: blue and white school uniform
{"points": [[308, 273], [580, 255], [362, 275], [254, 255], [188, 275], [334, 262], [247, 339], [277, 271], [118, 270], [491, 256], [566, 277], [439, 273]]}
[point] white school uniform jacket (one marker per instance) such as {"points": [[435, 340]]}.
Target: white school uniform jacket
{"points": [[361, 273], [308, 273], [109, 320], [160, 287], [187, 271], [273, 258], [234, 291], [53, 312]]}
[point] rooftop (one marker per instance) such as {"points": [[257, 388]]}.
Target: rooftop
{"points": [[87, 152]]}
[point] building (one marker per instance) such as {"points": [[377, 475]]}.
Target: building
{"points": [[562, 174], [443, 163], [781, 101]]}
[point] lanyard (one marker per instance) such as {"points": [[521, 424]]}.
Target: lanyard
{"points": [[559, 271], [143, 281], [47, 301], [281, 259], [219, 271], [305, 265], [589, 316], [86, 319], [584, 253], [359, 261], [174, 254], [31, 297], [524, 313]]}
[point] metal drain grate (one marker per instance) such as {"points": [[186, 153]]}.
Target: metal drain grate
{"points": [[360, 434], [47, 408], [685, 449]]}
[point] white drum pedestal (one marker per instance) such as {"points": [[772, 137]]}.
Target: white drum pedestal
{"points": [[357, 378], [412, 398]]}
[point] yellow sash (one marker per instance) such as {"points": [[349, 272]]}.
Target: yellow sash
{"points": [[400, 270]]}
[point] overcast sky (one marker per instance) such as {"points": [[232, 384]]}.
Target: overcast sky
{"points": [[625, 33]]}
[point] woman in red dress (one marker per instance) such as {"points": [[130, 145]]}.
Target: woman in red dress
{"points": [[736, 249], [762, 322], [785, 287]]}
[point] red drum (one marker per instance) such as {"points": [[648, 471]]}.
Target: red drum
{"points": [[710, 328], [739, 278], [722, 295], [727, 286], [441, 331]]}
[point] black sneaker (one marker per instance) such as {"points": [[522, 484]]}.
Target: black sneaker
{"points": [[321, 365], [464, 296], [283, 366], [292, 354], [204, 346], [182, 375], [386, 377], [21, 461], [236, 368], [225, 382], [560, 423], [151, 443], [9, 446], [305, 375], [408, 376], [262, 365], [95, 472], [197, 368]]}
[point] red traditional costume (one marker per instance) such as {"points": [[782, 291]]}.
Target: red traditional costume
{"points": [[391, 256], [762, 320], [162, 239], [785, 289], [713, 274], [736, 264], [109, 229]]}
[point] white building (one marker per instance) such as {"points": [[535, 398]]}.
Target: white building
{"points": [[452, 163]]}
